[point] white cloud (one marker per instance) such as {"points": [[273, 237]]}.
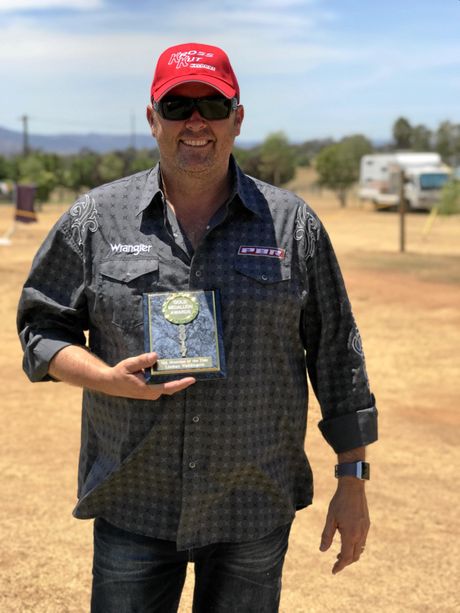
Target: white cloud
{"points": [[22, 5]]}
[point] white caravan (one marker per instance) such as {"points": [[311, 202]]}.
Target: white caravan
{"points": [[425, 175]]}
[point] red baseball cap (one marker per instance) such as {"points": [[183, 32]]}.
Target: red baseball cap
{"points": [[194, 63]]}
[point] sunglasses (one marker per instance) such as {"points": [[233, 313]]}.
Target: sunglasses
{"points": [[178, 108]]}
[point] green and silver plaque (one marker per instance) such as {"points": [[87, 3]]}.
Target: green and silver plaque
{"points": [[185, 330], [181, 309]]}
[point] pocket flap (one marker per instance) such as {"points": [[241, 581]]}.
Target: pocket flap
{"points": [[263, 270], [128, 270]]}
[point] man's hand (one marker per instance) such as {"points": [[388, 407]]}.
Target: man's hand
{"points": [[77, 366], [349, 515], [127, 379]]}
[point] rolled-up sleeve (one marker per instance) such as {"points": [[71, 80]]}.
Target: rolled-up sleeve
{"points": [[334, 353], [52, 309]]}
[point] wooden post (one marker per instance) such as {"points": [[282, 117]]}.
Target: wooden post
{"points": [[402, 213]]}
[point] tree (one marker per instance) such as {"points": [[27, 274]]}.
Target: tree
{"points": [[3, 168], [336, 170], [110, 167], [421, 138], [80, 171], [448, 142], [248, 160], [356, 146], [277, 161], [450, 198], [402, 133], [142, 160], [32, 169], [338, 165]]}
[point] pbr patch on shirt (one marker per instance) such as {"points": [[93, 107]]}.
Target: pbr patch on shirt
{"points": [[270, 252]]}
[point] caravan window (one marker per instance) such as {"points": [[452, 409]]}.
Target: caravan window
{"points": [[433, 180]]}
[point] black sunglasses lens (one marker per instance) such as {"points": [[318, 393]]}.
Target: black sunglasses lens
{"points": [[216, 107], [177, 108]]}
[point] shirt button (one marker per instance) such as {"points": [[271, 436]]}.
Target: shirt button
{"points": [[195, 419], [191, 465], [264, 278], [198, 273]]}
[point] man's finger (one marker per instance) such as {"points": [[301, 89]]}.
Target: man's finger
{"points": [[328, 533], [345, 556], [139, 362], [358, 550]]}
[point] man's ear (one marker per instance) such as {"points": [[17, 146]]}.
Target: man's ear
{"points": [[150, 118], [239, 116]]}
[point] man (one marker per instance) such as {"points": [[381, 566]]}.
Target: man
{"points": [[203, 471]]}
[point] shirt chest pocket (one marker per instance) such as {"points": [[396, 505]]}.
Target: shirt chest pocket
{"points": [[263, 297], [121, 285], [265, 271]]}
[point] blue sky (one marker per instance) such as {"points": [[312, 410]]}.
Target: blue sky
{"points": [[312, 68]]}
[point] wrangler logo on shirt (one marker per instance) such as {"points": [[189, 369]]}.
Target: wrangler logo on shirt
{"points": [[270, 252], [136, 249]]}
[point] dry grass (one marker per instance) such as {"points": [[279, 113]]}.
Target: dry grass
{"points": [[407, 309]]}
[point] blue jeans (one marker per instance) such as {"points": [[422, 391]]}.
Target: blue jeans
{"points": [[135, 573]]}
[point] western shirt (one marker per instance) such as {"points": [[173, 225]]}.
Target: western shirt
{"points": [[224, 459]]}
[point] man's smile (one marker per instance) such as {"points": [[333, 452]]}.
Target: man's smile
{"points": [[195, 142]]}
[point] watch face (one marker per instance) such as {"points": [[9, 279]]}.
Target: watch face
{"points": [[360, 470], [366, 470]]}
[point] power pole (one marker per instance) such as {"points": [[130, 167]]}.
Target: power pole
{"points": [[402, 213], [25, 134]]}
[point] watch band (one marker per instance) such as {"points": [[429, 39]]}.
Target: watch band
{"points": [[360, 470]]}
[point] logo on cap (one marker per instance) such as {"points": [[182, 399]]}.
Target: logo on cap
{"points": [[183, 59]]}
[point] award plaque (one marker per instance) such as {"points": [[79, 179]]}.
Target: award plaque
{"points": [[185, 330]]}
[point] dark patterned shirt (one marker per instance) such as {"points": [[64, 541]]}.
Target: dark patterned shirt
{"points": [[223, 460]]}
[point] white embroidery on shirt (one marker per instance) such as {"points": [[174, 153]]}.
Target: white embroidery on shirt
{"points": [[307, 226], [84, 217]]}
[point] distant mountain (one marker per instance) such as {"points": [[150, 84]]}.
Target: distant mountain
{"points": [[65, 144], [11, 142]]}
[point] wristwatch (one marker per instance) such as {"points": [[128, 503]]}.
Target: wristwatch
{"points": [[360, 470]]}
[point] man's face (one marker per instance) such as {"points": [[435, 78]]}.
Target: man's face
{"points": [[195, 145]]}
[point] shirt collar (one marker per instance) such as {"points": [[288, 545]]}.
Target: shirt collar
{"points": [[247, 190], [243, 186], [151, 190]]}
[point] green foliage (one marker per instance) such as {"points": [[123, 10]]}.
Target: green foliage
{"points": [[4, 168], [277, 160], [110, 167], [356, 146], [402, 133], [273, 161], [336, 170], [450, 199], [80, 171], [142, 160], [248, 160], [338, 165], [421, 138], [33, 170], [448, 141], [306, 151]]}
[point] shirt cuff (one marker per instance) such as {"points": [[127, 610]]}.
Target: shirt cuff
{"points": [[351, 430], [38, 356]]}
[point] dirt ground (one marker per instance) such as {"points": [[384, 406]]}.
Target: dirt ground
{"points": [[407, 307]]}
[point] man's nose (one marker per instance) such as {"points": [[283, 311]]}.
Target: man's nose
{"points": [[195, 121]]}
